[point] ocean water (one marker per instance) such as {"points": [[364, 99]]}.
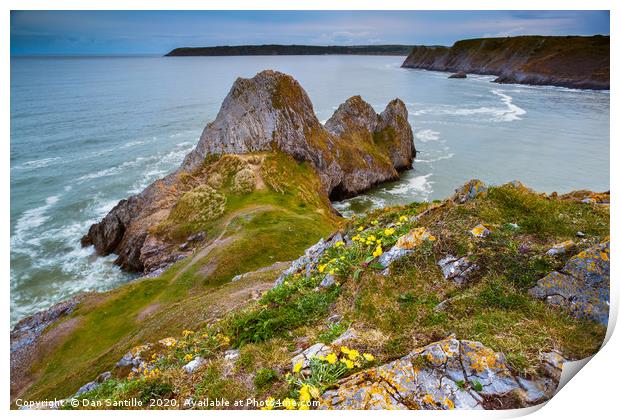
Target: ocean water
{"points": [[87, 132]]}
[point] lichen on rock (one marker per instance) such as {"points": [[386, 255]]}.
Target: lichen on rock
{"points": [[582, 286]]}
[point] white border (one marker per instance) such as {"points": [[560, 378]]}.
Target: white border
{"points": [[592, 395]]}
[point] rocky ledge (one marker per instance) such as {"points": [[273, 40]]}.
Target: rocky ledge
{"points": [[355, 150], [569, 61]]}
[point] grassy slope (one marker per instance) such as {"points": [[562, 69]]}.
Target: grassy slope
{"points": [[395, 314], [257, 229]]}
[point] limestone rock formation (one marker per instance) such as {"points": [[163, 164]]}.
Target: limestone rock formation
{"points": [[580, 62], [582, 286], [448, 374], [355, 150]]}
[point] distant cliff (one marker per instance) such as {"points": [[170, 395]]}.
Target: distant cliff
{"points": [[291, 50], [570, 61]]}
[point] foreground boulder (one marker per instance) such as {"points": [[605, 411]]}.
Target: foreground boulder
{"points": [[582, 286], [448, 374], [355, 150]]}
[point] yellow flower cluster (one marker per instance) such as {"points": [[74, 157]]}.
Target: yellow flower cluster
{"points": [[338, 244], [144, 372], [378, 251], [223, 340], [389, 231], [306, 394], [187, 333], [351, 360], [188, 357]]}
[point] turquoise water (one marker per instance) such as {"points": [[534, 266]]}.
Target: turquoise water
{"points": [[87, 132]]}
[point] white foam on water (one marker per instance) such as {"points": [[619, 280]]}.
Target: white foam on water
{"points": [[426, 135], [418, 185], [513, 111], [37, 163], [31, 219], [436, 159]]}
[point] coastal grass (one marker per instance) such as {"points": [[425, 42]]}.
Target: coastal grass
{"points": [[256, 230], [392, 314]]}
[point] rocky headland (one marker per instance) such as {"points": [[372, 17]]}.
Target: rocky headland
{"points": [[569, 61], [275, 49], [257, 289], [267, 114]]}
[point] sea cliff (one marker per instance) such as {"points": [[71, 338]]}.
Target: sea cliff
{"points": [[264, 122], [569, 61]]}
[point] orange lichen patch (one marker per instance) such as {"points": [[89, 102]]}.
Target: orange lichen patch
{"points": [[414, 238], [480, 231]]}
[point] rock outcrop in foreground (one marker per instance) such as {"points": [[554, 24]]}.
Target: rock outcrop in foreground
{"points": [[424, 306], [355, 150], [449, 374], [570, 61]]}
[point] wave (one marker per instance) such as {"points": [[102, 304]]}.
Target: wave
{"points": [[33, 218], [420, 185], [37, 163], [514, 112], [426, 135], [510, 112]]}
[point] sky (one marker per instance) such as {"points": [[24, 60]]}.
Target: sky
{"points": [[157, 32]]}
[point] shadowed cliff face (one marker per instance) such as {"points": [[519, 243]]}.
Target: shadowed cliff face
{"points": [[569, 61], [269, 113]]}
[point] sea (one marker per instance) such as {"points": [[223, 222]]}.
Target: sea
{"points": [[87, 132]]}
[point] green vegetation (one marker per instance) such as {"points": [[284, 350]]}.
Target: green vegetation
{"points": [[391, 314]]}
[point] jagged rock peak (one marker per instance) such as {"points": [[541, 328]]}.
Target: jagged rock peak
{"points": [[270, 108], [358, 150], [353, 115]]}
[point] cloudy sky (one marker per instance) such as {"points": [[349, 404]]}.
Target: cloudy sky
{"points": [[157, 32]]}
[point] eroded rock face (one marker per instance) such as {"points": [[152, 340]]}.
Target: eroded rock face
{"points": [[356, 150], [448, 374], [582, 286]]}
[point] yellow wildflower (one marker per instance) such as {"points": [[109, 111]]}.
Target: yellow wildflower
{"points": [[322, 267], [431, 238], [304, 406], [297, 367], [344, 349], [304, 394], [270, 402], [372, 238], [389, 231], [348, 363], [331, 358], [338, 244], [374, 222], [331, 272], [369, 357], [188, 357], [289, 403], [222, 339], [361, 228], [378, 251], [447, 401], [354, 354], [402, 219], [185, 333]]}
